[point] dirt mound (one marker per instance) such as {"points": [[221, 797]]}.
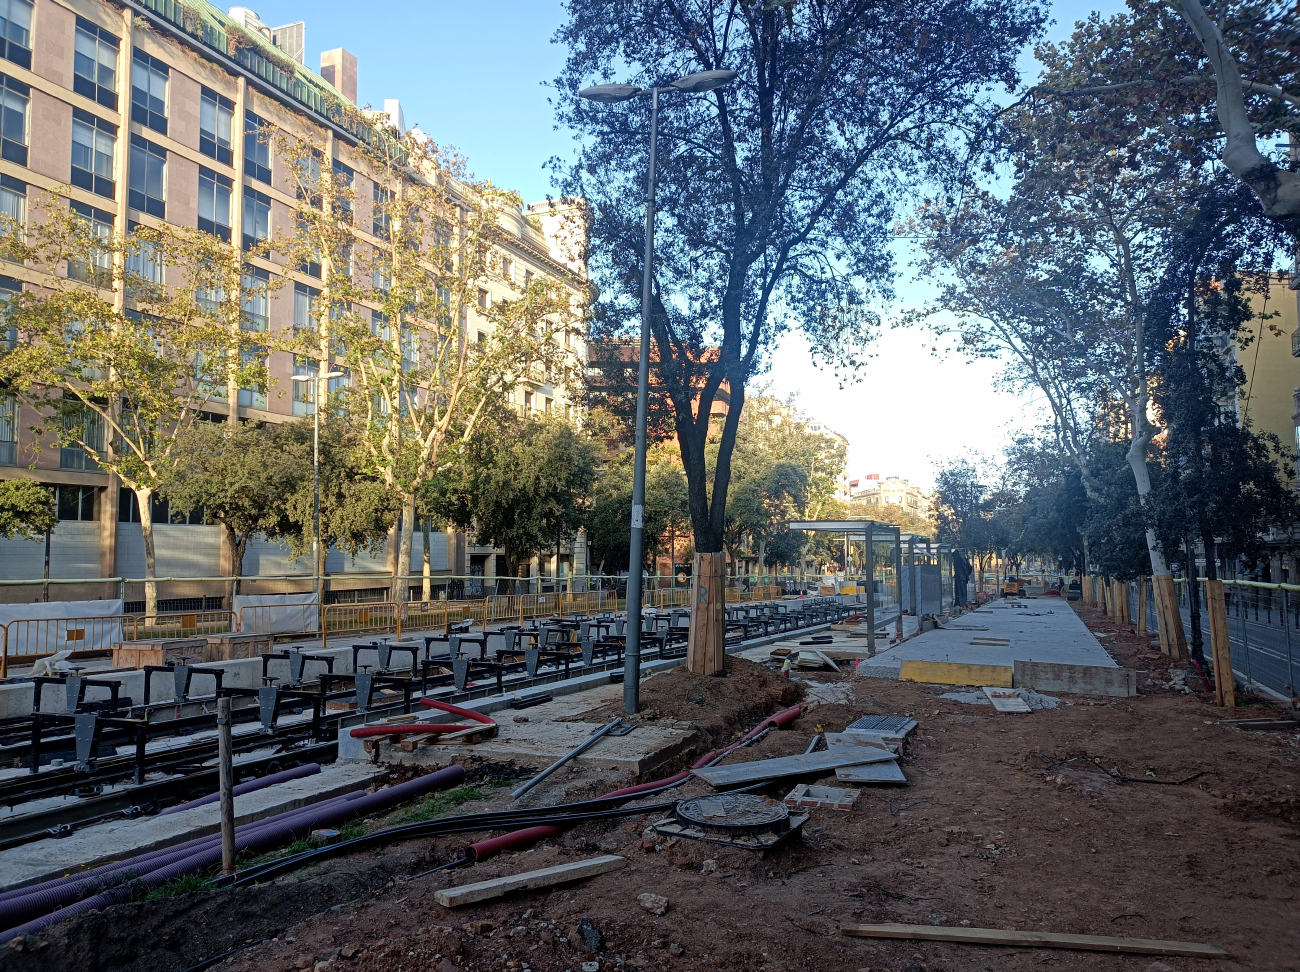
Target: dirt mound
{"points": [[1283, 809], [719, 706]]}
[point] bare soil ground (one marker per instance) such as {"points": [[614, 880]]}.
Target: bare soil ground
{"points": [[1008, 821]]}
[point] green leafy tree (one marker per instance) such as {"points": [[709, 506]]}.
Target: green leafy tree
{"points": [[778, 190], [26, 509], [240, 477], [524, 489], [667, 511], [357, 505], [119, 349], [964, 514], [394, 309]]}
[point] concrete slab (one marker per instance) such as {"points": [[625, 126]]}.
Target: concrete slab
{"points": [[1076, 679], [556, 728], [1034, 630], [50, 858]]}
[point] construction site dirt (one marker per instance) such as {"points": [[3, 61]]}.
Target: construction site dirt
{"points": [[1145, 817]]}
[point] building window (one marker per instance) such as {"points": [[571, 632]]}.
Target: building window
{"points": [[216, 116], [528, 279], [13, 204], [14, 99], [101, 226], [528, 402], [149, 91], [256, 304], [16, 32], [214, 203], [304, 308], [9, 287], [483, 299], [128, 509], [75, 502], [84, 425], [508, 268], [94, 64], [257, 217], [257, 150], [143, 263], [253, 396], [410, 349], [345, 179], [8, 429], [304, 392], [379, 217], [310, 264], [148, 181], [93, 143]]}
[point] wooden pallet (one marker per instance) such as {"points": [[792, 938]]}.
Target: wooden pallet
{"points": [[464, 737]]}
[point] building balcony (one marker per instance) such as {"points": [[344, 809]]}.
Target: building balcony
{"points": [[1295, 343]]}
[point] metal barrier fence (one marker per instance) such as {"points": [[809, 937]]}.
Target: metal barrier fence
{"points": [[27, 639], [1263, 628]]}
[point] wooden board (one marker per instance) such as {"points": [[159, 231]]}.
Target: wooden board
{"points": [[706, 648], [543, 878], [807, 764], [1026, 939], [956, 673], [1225, 690]]}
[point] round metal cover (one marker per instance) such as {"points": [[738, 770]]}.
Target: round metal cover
{"points": [[735, 813]]}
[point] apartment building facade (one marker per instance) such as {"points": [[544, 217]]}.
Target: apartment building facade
{"points": [[151, 112], [873, 490]]}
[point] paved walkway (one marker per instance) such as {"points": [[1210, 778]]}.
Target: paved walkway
{"points": [[1035, 629]]}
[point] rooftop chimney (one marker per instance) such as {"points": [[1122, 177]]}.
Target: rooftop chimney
{"points": [[393, 109], [339, 68]]}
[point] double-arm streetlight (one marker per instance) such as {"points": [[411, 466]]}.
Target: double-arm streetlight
{"points": [[608, 94], [321, 387]]}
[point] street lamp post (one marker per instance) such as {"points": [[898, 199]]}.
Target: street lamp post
{"points": [[315, 471], [609, 94]]}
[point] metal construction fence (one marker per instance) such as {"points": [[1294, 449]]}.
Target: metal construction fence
{"points": [[1263, 628], [24, 641]]}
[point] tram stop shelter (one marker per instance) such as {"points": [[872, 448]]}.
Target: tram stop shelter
{"points": [[876, 551]]}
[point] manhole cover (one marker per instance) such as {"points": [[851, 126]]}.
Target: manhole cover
{"points": [[735, 813]]}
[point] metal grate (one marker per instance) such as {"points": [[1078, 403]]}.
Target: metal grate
{"points": [[879, 724]]}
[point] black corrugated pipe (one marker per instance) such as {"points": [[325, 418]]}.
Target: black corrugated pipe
{"points": [[264, 838]]}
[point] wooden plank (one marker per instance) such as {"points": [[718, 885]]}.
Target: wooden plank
{"points": [[543, 878], [807, 764], [706, 647], [956, 673], [1027, 939], [1142, 608], [1225, 691]]}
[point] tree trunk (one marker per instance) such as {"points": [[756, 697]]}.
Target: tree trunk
{"points": [[1172, 638], [405, 538], [143, 498], [237, 543], [426, 591]]}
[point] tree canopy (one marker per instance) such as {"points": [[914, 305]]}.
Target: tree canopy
{"points": [[776, 191]]}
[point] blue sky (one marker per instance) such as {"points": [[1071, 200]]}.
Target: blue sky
{"points": [[477, 81]]}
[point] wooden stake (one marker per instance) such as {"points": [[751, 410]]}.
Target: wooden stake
{"points": [[1225, 692], [1142, 607], [1026, 939], [226, 776]]}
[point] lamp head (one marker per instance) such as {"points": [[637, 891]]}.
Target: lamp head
{"points": [[609, 94], [703, 81]]}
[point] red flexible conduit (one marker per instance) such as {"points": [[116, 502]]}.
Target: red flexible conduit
{"points": [[408, 728], [523, 838]]}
